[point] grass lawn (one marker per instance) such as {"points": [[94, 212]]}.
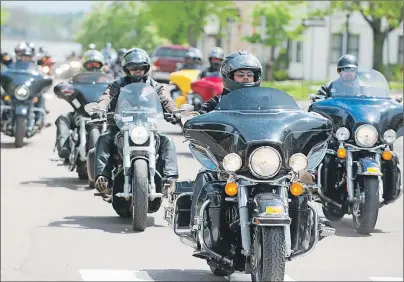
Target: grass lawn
{"points": [[299, 89]]}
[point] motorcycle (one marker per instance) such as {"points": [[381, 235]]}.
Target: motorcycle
{"points": [[23, 86], [46, 64], [137, 185], [84, 88], [182, 84], [360, 172], [258, 214], [204, 89]]}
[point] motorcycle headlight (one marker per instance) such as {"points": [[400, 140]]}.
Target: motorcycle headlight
{"points": [[366, 135], [21, 92], [232, 162], [342, 134], [139, 135], [298, 162], [265, 162], [390, 136]]}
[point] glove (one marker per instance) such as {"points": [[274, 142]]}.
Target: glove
{"points": [[96, 116], [175, 118]]}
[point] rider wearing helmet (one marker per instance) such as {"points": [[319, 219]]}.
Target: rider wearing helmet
{"points": [[136, 64], [347, 68], [216, 57], [192, 60], [92, 62], [239, 69]]}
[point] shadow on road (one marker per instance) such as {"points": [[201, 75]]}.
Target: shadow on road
{"points": [[345, 228], [181, 275], [110, 224], [65, 182], [10, 145]]}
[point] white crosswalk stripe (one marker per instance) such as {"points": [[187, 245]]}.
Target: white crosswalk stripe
{"points": [[183, 275], [134, 275]]}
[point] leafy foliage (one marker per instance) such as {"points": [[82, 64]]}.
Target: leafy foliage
{"points": [[4, 16], [124, 24]]}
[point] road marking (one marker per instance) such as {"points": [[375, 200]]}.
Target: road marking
{"points": [[386, 278], [133, 275]]}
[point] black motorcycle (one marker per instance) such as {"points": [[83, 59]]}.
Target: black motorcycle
{"points": [[360, 172], [137, 180], [84, 88], [22, 114], [258, 214]]}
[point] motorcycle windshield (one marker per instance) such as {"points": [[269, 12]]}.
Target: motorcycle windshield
{"points": [[90, 86], [257, 99], [248, 119], [13, 77], [138, 104], [363, 83]]}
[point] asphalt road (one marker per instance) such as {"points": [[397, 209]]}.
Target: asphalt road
{"points": [[53, 228]]}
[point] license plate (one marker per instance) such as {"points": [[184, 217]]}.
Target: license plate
{"points": [[270, 209], [76, 103]]}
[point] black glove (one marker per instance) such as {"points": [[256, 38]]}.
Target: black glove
{"points": [[96, 116], [175, 118]]}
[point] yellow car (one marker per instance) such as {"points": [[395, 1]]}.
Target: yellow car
{"points": [[182, 81]]}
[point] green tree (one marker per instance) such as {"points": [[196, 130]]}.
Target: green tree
{"points": [[183, 21], [375, 12], [124, 24], [4, 16], [282, 23]]}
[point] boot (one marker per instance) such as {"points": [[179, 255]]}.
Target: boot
{"points": [[101, 184], [167, 184]]}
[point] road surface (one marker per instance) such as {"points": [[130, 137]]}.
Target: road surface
{"points": [[53, 228]]}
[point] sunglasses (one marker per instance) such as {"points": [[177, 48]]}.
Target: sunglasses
{"points": [[243, 74], [93, 65], [136, 68], [348, 69]]}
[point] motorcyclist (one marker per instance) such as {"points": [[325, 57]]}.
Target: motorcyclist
{"points": [[24, 56], [117, 67], [93, 61], [6, 58], [136, 64], [347, 83], [239, 70], [192, 60], [216, 57]]}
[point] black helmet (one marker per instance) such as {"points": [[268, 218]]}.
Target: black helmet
{"points": [[21, 47], [347, 61], [93, 56], [122, 51], [136, 57], [237, 61]]}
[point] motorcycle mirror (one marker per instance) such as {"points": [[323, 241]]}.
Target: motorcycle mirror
{"points": [[399, 99], [187, 107], [92, 108], [312, 96]]}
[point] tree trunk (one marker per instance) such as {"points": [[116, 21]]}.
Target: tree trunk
{"points": [[192, 41], [378, 42], [271, 64]]}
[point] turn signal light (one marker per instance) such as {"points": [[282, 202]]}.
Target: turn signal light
{"points": [[341, 153], [296, 189], [35, 99], [387, 155], [231, 189], [6, 98]]}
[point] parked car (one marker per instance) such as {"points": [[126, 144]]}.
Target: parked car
{"points": [[165, 59]]}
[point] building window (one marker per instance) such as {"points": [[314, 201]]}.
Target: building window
{"points": [[353, 46], [336, 47], [295, 51], [400, 50]]}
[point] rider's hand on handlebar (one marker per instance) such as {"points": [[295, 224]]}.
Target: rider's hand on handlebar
{"points": [[96, 116]]}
